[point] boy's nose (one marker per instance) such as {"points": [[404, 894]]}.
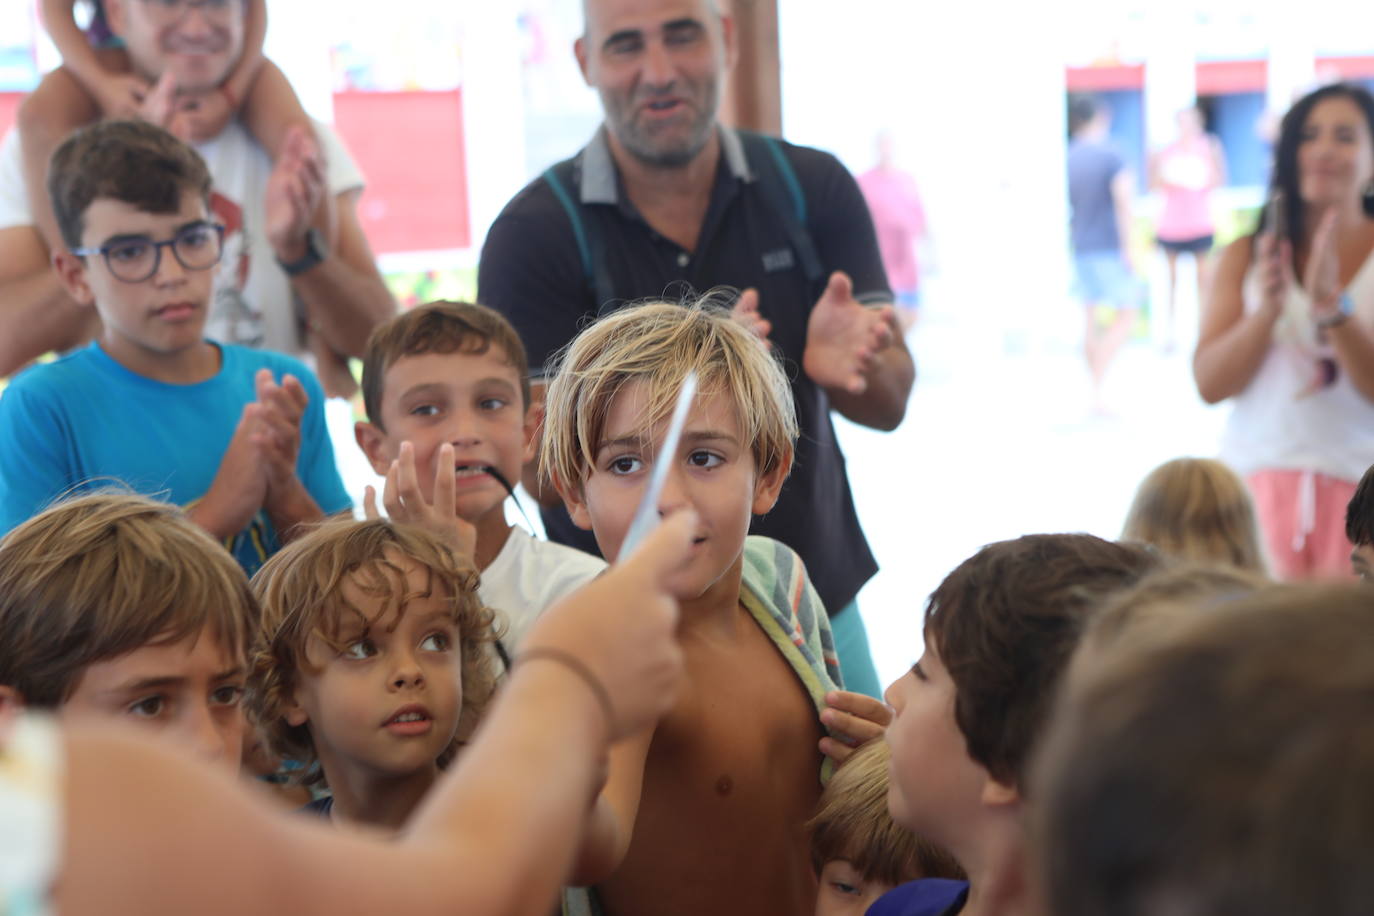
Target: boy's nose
{"points": [[674, 493], [407, 675]]}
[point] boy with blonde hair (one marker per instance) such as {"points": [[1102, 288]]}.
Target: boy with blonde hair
{"points": [[858, 850], [447, 393], [706, 812], [370, 665], [116, 606]]}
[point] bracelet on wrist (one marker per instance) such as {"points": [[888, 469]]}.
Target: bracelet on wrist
{"points": [[578, 667], [1345, 307]]}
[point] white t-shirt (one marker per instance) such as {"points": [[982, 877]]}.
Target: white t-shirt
{"points": [[528, 576], [253, 304], [1301, 412]]}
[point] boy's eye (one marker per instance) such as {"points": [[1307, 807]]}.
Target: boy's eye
{"points": [[193, 238], [492, 403], [128, 252], [148, 707], [424, 410], [625, 465], [228, 695], [359, 649], [436, 642], [704, 460], [920, 674], [845, 888]]}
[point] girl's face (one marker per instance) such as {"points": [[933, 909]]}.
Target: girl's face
{"points": [[1335, 153]]}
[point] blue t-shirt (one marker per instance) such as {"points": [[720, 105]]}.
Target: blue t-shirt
{"points": [[923, 897], [84, 422], [1093, 166]]}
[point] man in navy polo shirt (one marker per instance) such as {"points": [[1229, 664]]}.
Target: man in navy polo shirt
{"points": [[665, 200]]}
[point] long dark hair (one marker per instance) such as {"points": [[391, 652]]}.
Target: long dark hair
{"points": [[1285, 177]]}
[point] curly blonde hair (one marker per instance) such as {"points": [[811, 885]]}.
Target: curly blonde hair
{"points": [[301, 593]]}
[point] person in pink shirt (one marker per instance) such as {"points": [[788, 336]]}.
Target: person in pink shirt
{"points": [[1185, 172], [900, 222]]}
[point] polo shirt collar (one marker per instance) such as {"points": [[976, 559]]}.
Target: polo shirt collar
{"points": [[599, 179]]}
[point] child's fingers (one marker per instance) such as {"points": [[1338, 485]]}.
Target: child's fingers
{"points": [[850, 728], [861, 705], [837, 751], [370, 503], [407, 480], [295, 391], [391, 497], [445, 481]]}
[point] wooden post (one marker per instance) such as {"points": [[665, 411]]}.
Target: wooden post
{"points": [[753, 92]]}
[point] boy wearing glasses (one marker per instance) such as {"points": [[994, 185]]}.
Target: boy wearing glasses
{"points": [[236, 436]]}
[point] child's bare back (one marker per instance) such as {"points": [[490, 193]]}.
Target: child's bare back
{"points": [[732, 774]]}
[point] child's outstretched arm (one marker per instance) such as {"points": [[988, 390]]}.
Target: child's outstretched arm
{"points": [[495, 836]]}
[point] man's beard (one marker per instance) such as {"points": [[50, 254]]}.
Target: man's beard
{"points": [[652, 152]]}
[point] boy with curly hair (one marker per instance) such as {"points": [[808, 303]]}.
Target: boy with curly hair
{"points": [[371, 664]]}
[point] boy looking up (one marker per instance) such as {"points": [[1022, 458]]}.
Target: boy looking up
{"points": [[236, 436], [446, 389], [370, 666], [999, 632], [858, 851], [706, 812], [115, 606]]}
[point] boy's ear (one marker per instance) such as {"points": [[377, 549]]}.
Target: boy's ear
{"points": [[997, 794], [373, 443], [294, 714], [10, 700], [575, 499], [769, 484], [71, 271], [534, 421]]}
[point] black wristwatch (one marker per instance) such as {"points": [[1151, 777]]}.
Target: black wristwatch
{"points": [[315, 252]]}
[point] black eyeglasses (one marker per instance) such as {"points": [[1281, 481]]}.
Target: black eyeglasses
{"points": [[133, 260]]}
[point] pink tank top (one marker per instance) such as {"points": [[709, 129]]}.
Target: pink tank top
{"points": [[1188, 175]]}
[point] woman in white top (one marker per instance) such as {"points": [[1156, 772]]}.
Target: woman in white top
{"points": [[1288, 334]]}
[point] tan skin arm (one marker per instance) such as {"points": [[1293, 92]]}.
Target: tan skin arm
{"points": [[611, 825], [344, 295], [59, 19], [36, 314], [889, 379], [1232, 344], [496, 836]]}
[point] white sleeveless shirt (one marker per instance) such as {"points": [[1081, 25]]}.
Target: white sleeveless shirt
{"points": [[1293, 415]]}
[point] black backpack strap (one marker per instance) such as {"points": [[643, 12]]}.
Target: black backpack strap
{"points": [[783, 192], [563, 179]]}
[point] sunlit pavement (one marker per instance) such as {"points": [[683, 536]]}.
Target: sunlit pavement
{"points": [[998, 442]]}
